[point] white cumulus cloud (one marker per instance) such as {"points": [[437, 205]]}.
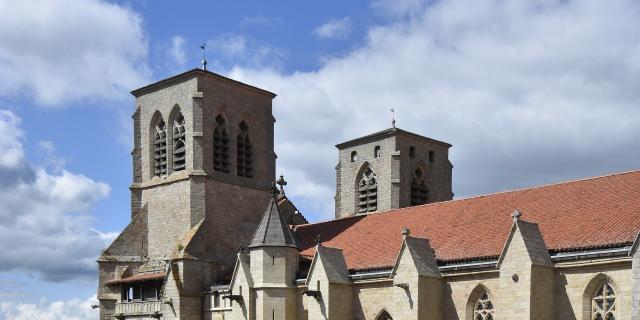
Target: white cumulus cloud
{"points": [[45, 220], [176, 51], [334, 29], [528, 92], [61, 51], [74, 309]]}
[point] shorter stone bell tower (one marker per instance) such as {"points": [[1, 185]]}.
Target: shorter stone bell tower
{"points": [[391, 169]]}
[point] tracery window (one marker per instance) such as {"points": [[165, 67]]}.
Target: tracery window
{"points": [[603, 305], [160, 149], [483, 308], [220, 146], [244, 152], [368, 191], [419, 190], [384, 315]]}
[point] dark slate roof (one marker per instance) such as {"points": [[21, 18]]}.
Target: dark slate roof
{"points": [[385, 133], [273, 230]]}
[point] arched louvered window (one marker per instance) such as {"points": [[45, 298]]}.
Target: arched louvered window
{"points": [[179, 147], [368, 191], [419, 190], [160, 149], [384, 315], [483, 308], [603, 304], [244, 152], [220, 146]]}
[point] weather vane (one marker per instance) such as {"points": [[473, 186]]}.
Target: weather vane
{"points": [[393, 117], [204, 56]]}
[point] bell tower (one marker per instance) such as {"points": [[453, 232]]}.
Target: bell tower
{"points": [[391, 169], [203, 160]]}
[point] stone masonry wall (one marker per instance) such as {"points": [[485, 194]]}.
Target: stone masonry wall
{"points": [[349, 174], [438, 172], [169, 216], [394, 170], [237, 104]]}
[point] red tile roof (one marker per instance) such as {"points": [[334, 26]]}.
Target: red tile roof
{"points": [[591, 213], [159, 275]]}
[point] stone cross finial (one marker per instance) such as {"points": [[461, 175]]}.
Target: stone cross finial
{"points": [[241, 248], [318, 240], [516, 215], [281, 182], [274, 190], [406, 232]]}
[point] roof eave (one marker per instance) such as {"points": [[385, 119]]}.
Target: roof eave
{"points": [[194, 72], [388, 133]]}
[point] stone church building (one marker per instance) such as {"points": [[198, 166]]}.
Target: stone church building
{"points": [[211, 236]]}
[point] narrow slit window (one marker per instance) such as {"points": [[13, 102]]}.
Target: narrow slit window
{"points": [[412, 152], [354, 156], [376, 152], [432, 156], [179, 147]]}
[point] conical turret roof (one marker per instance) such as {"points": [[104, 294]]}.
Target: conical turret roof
{"points": [[273, 231]]}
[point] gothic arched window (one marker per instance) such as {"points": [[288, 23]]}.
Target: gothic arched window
{"points": [[384, 315], [603, 304], [419, 190], [483, 308], [368, 191], [159, 149], [220, 146], [179, 147], [244, 152]]}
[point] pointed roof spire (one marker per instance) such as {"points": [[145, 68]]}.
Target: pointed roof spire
{"points": [[273, 231]]}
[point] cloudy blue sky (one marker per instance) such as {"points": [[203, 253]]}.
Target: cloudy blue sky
{"points": [[528, 92]]}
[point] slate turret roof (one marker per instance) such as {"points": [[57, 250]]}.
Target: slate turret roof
{"points": [[273, 230]]}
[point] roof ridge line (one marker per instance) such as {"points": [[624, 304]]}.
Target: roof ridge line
{"points": [[536, 187], [478, 196]]}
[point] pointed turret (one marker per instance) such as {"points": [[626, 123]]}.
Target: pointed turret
{"points": [[273, 264], [273, 231]]}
